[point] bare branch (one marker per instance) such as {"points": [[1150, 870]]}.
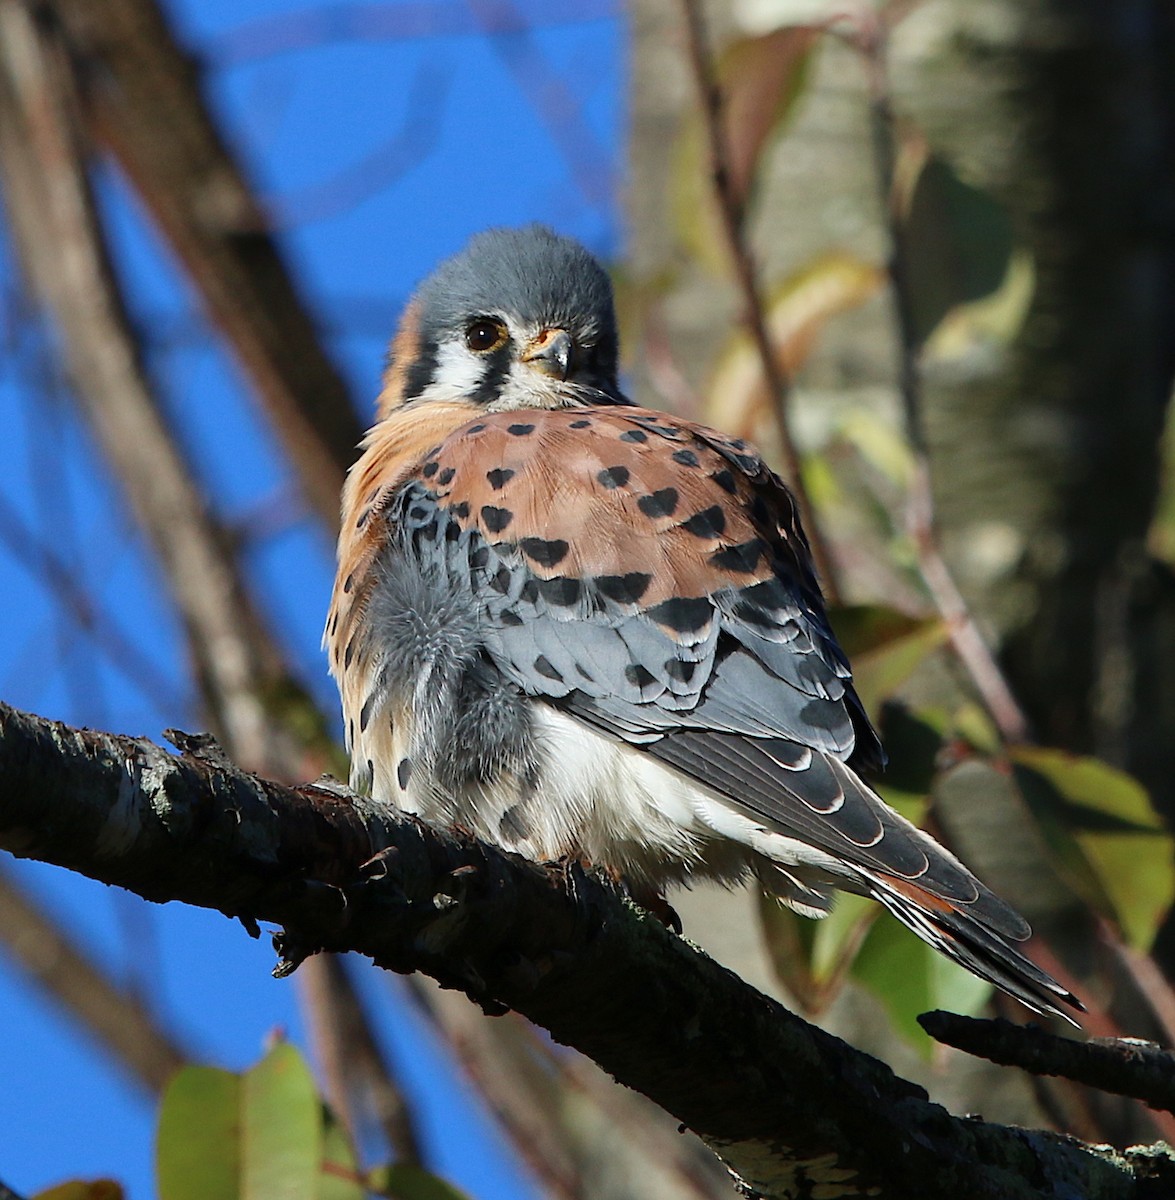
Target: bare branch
{"points": [[312, 28], [119, 1020], [793, 1110], [120, 650], [65, 257], [145, 103], [731, 212], [1123, 1066], [355, 1070]]}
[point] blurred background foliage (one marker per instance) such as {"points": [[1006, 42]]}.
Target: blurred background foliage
{"points": [[924, 251]]}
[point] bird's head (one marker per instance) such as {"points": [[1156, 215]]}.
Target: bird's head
{"points": [[521, 318]]}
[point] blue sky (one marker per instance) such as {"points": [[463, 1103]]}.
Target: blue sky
{"points": [[377, 156]]}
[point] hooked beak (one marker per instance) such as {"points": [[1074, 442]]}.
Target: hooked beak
{"points": [[550, 353]]}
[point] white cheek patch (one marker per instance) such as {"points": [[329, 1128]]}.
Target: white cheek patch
{"points": [[458, 372]]}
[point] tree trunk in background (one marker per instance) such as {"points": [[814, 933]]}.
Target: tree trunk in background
{"points": [[1046, 445], [1062, 444]]}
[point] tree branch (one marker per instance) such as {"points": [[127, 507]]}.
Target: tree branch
{"points": [[118, 1019], [146, 103], [1123, 1066], [790, 1108]]}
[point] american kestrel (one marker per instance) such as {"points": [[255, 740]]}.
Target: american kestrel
{"points": [[583, 629]]}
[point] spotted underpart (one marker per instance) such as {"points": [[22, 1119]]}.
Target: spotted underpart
{"points": [[581, 628]]}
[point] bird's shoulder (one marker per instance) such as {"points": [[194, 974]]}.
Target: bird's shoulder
{"points": [[622, 493]]}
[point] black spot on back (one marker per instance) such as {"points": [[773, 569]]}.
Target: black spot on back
{"points": [[460, 511], [563, 590], [545, 553], [639, 676], [687, 458], [624, 589], [430, 469], [520, 430], [547, 669], [743, 557], [683, 614], [495, 519], [499, 477], [446, 476], [582, 423], [613, 477], [662, 503], [634, 435], [709, 523], [725, 480]]}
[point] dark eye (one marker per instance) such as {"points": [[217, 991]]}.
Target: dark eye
{"points": [[484, 334]]}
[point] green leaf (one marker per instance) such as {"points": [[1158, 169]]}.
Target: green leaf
{"points": [[197, 1147], [760, 78], [1100, 824], [402, 1182], [885, 647], [79, 1189], [910, 977], [811, 957], [797, 310], [958, 244], [256, 1136], [281, 1128], [340, 1178]]}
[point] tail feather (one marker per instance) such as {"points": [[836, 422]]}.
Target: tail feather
{"points": [[963, 936]]}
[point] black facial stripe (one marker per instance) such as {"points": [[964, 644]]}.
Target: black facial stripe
{"points": [[496, 366], [422, 371]]}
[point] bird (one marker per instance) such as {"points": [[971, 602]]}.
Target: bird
{"points": [[585, 630]]}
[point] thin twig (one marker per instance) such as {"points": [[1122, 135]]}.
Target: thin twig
{"points": [[966, 639], [1122, 1066], [120, 1021], [122, 652], [732, 213], [146, 104], [353, 1064]]}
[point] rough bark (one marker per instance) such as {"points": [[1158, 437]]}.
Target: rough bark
{"points": [[794, 1111]]}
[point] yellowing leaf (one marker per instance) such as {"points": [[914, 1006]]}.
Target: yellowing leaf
{"points": [[797, 311], [885, 647], [761, 78], [197, 1144], [402, 1182], [1100, 823], [77, 1189]]}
